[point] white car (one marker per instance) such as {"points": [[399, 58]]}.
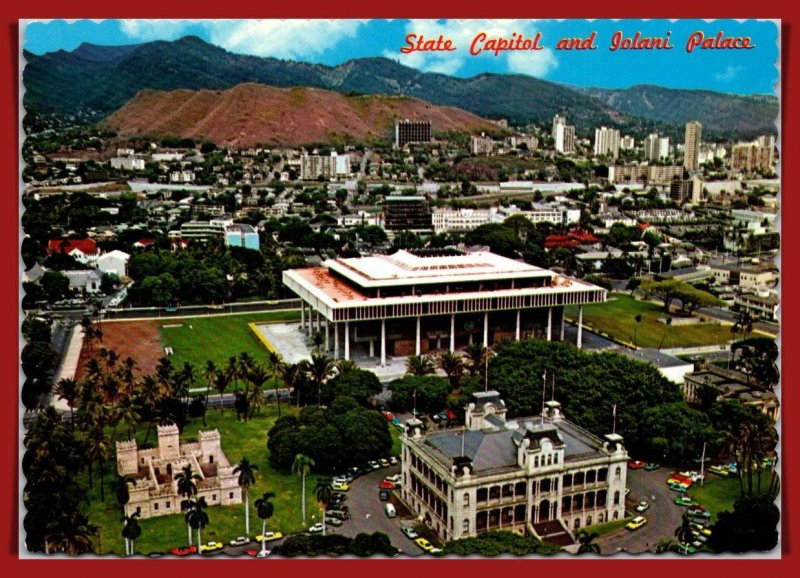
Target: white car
{"points": [[316, 528], [395, 479], [240, 541], [393, 460], [692, 475], [642, 506], [374, 465]]}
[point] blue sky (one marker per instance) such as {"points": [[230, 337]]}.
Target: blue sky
{"points": [[335, 41]]}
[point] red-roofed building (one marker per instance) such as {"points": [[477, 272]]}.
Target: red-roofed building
{"points": [[178, 244], [83, 250], [574, 238], [144, 243]]}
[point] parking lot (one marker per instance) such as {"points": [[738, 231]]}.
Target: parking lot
{"points": [[663, 515]]}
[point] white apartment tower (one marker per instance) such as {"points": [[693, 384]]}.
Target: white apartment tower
{"points": [[606, 142]]}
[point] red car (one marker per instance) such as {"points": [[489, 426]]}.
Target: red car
{"points": [[387, 485], [636, 464], [184, 551], [388, 415], [680, 478]]}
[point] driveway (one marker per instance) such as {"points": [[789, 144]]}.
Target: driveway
{"points": [[663, 515], [367, 512]]}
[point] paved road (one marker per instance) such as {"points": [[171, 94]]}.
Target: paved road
{"points": [[730, 317], [663, 515], [591, 341], [367, 512]]}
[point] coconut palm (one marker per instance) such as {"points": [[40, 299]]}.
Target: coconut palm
{"points": [[221, 383], [301, 467], [232, 372], [317, 339], [120, 488], [265, 508], [638, 319], [247, 477], [323, 489], [319, 371], [68, 390], [291, 374], [587, 542], [476, 358], [98, 449], [453, 366], [276, 368], [420, 365], [345, 365], [130, 531], [70, 532], [187, 487], [197, 518]]}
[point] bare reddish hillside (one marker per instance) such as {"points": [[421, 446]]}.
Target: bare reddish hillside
{"points": [[250, 114]]}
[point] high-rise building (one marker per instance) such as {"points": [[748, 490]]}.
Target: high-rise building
{"points": [[656, 147], [606, 142], [481, 145], [314, 166], [752, 157], [411, 131], [564, 138], [407, 213], [691, 147], [557, 120], [627, 143]]}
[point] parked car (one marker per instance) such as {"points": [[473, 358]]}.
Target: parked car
{"points": [[338, 496], [383, 462], [390, 511], [386, 484], [240, 541], [383, 495], [410, 533], [684, 549], [651, 467], [183, 550], [686, 501], [393, 460], [211, 547], [258, 553], [340, 486], [636, 523], [642, 506], [331, 521], [636, 464], [424, 544], [340, 514], [720, 471], [316, 528], [699, 528], [677, 487], [269, 536], [374, 465], [395, 479]]}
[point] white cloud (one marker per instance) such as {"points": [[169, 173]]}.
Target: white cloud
{"points": [[729, 73], [147, 30], [291, 39], [537, 63], [462, 32]]}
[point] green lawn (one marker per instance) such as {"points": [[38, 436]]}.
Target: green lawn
{"points": [[239, 439], [199, 339], [718, 494], [607, 527], [617, 319]]}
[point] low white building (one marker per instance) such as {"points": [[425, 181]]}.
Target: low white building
{"points": [[115, 262]]}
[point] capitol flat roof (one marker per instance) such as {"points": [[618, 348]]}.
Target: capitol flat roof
{"points": [[403, 267]]}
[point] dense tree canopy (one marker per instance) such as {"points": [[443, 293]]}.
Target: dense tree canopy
{"points": [[431, 393], [340, 436], [753, 525], [358, 384], [498, 543]]}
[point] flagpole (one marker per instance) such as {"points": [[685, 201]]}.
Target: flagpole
{"points": [[544, 388], [614, 419], [463, 441]]}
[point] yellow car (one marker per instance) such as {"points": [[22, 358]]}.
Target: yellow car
{"points": [[210, 547], [340, 486], [424, 544], [269, 536], [636, 523]]}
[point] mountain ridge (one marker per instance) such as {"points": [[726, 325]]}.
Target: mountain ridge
{"points": [[102, 78]]}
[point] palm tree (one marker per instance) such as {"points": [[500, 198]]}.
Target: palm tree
{"points": [[317, 339], [258, 377], [276, 367], [130, 531], [476, 358], [197, 518], [187, 488], [221, 382], [290, 374], [638, 319], [232, 372], [209, 373], [120, 488], [420, 365], [247, 477], [265, 508], [323, 490], [187, 380], [345, 365], [319, 371], [684, 532], [152, 394], [743, 323], [587, 542], [301, 467], [67, 389], [668, 324], [98, 449], [453, 366], [71, 532]]}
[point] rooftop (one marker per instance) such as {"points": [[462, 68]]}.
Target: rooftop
{"points": [[381, 270]]}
